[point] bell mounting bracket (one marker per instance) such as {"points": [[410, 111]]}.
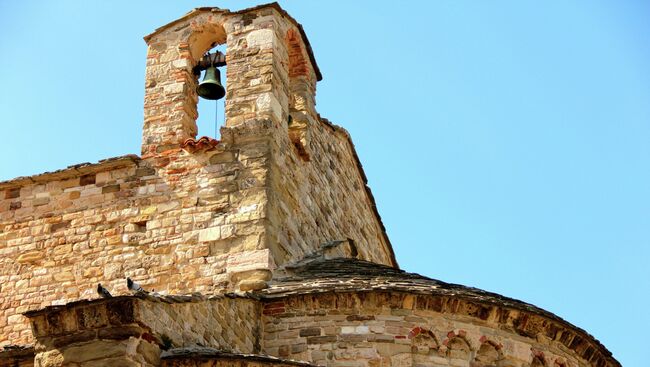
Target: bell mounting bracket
{"points": [[209, 59]]}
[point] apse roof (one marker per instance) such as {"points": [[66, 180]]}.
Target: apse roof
{"points": [[346, 275]]}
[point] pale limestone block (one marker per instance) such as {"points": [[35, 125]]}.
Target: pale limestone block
{"points": [[262, 38], [181, 63], [401, 360], [227, 230], [210, 234], [15, 319], [361, 329], [247, 208], [267, 102], [148, 210], [176, 88], [249, 260], [520, 350], [113, 271], [170, 205], [91, 190], [59, 302], [154, 224]]}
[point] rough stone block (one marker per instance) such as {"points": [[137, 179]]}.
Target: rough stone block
{"points": [[210, 234]]}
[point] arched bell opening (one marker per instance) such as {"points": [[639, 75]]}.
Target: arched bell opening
{"points": [[211, 91]]}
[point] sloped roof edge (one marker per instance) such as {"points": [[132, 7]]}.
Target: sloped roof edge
{"points": [[346, 135], [273, 5], [73, 171]]}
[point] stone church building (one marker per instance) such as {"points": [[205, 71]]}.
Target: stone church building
{"points": [[263, 248]]}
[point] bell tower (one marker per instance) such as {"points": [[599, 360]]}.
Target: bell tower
{"points": [[296, 183], [259, 84]]}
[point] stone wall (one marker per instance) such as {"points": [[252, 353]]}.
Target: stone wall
{"points": [[329, 329], [193, 215], [317, 195], [228, 324], [402, 330], [131, 331], [167, 321], [188, 226]]}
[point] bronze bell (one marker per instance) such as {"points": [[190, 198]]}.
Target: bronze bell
{"points": [[210, 87]]}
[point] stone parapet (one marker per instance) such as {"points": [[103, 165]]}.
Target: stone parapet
{"points": [[133, 330], [167, 321]]}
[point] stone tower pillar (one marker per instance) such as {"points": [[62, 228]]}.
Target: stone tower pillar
{"points": [[258, 82]]}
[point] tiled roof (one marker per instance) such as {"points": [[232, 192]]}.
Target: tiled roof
{"points": [[204, 142], [345, 275], [353, 275]]}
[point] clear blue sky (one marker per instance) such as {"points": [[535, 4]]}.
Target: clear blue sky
{"points": [[507, 142]]}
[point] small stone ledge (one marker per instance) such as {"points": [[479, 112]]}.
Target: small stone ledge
{"points": [[204, 353], [155, 318], [114, 318], [152, 297], [76, 170]]}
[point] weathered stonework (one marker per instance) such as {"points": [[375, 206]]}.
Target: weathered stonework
{"points": [[208, 357], [126, 323], [205, 220], [262, 248], [398, 329]]}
